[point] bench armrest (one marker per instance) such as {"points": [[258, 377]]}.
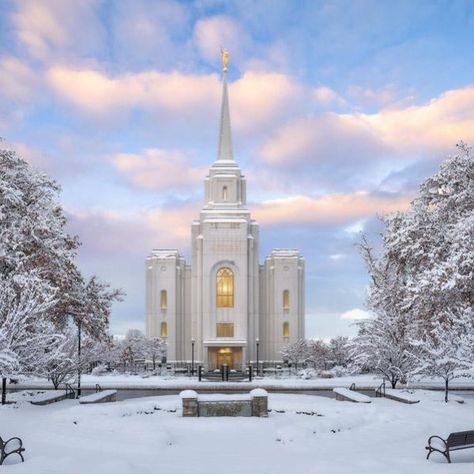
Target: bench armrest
{"points": [[15, 443], [436, 444]]}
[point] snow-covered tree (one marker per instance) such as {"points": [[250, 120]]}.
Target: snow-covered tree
{"points": [[133, 347], [32, 228], [383, 345], [90, 303], [296, 352], [40, 286], [339, 354], [431, 245], [8, 358], [58, 362], [424, 275], [447, 351], [24, 300], [317, 354], [155, 349]]}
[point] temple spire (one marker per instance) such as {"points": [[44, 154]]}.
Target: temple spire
{"points": [[224, 152]]}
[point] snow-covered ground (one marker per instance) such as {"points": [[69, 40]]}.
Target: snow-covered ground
{"points": [[303, 434]]}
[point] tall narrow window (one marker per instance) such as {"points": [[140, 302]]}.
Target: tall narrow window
{"points": [[225, 330], [224, 193], [286, 329], [164, 330], [164, 299], [225, 288], [286, 299]]}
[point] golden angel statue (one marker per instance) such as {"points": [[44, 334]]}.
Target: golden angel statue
{"points": [[225, 59]]}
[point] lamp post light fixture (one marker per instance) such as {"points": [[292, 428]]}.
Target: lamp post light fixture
{"points": [[192, 356], [258, 344]]}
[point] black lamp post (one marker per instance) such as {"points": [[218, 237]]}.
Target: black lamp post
{"points": [[258, 343], [79, 331], [192, 356]]}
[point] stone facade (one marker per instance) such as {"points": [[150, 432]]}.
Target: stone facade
{"points": [[225, 303]]}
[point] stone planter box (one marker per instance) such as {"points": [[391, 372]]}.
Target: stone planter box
{"points": [[253, 404]]}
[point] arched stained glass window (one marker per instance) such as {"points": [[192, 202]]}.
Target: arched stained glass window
{"points": [[164, 330], [286, 299], [225, 288], [164, 299], [286, 329]]}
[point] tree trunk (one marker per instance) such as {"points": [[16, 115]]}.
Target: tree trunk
{"points": [[394, 381], [446, 389]]}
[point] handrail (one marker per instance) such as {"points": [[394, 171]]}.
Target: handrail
{"points": [[352, 387], [380, 391], [98, 388], [70, 392]]}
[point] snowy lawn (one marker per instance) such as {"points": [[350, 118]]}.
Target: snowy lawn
{"points": [[303, 434]]}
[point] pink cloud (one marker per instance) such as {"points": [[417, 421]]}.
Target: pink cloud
{"points": [[105, 231], [367, 97], [320, 138], [256, 98], [154, 168], [440, 123], [435, 126], [327, 209], [51, 28], [327, 96], [212, 33], [96, 93], [145, 29], [18, 81]]}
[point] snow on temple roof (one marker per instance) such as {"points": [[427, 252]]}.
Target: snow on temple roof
{"points": [[164, 253]]}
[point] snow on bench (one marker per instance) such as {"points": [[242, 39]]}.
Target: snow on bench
{"points": [[51, 396], [401, 396], [99, 397], [344, 394]]}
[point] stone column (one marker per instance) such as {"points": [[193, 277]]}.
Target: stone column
{"points": [[259, 398], [190, 403]]}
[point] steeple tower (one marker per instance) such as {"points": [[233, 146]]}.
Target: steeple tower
{"points": [[225, 187], [224, 152]]}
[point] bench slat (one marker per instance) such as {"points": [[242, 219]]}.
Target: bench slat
{"points": [[460, 439]]}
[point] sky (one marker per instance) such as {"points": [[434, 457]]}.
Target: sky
{"points": [[339, 110]]}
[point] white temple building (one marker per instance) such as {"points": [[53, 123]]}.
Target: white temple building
{"points": [[225, 304]]}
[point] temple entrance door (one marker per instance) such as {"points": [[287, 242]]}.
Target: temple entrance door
{"points": [[225, 357]]}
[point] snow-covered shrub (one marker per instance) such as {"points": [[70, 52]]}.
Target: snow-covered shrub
{"points": [[308, 373], [340, 371], [100, 369], [326, 374]]}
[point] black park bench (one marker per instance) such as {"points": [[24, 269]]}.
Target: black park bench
{"points": [[454, 442], [12, 446]]}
